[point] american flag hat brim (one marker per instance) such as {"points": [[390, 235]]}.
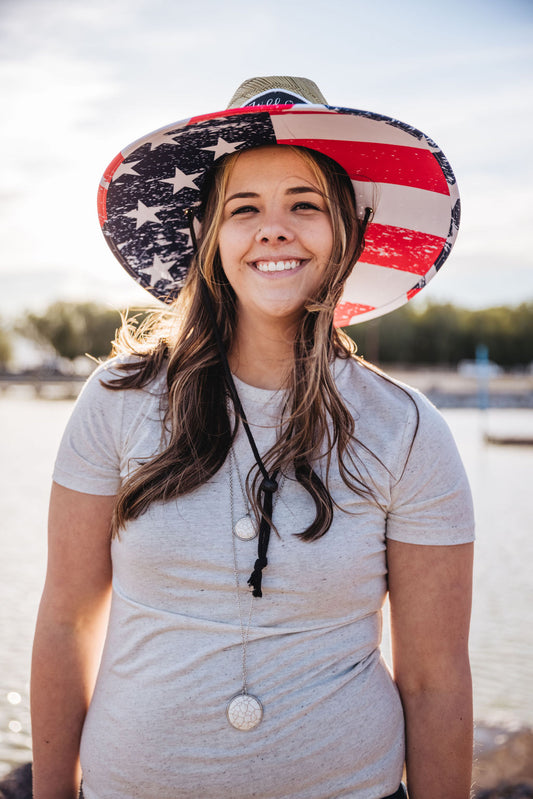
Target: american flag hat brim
{"points": [[395, 169]]}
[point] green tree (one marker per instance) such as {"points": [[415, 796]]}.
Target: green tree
{"points": [[388, 339], [445, 334], [6, 350], [73, 329]]}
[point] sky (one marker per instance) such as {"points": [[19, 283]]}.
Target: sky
{"points": [[81, 80]]}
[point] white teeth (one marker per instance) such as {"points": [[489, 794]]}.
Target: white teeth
{"points": [[276, 266]]}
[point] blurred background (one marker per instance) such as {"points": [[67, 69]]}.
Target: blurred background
{"points": [[82, 79]]}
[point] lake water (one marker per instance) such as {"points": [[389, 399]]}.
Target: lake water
{"points": [[502, 621]]}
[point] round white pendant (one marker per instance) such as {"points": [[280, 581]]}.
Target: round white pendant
{"points": [[245, 529], [244, 711]]}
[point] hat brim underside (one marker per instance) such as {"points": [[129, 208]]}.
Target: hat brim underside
{"points": [[396, 170]]}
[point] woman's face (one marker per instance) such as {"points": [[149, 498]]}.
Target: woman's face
{"points": [[276, 235]]}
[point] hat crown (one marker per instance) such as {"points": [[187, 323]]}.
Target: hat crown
{"points": [[277, 90]]}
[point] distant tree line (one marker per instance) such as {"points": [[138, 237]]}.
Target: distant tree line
{"points": [[443, 335], [64, 330], [73, 330], [6, 350], [439, 335]]}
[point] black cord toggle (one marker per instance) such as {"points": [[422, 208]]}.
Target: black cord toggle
{"points": [[269, 485]]}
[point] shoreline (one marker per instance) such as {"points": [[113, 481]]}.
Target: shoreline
{"points": [[503, 757], [445, 388], [451, 389]]}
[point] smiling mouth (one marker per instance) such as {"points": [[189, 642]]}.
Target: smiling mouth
{"points": [[277, 266]]}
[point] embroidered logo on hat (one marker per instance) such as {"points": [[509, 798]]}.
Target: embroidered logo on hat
{"points": [[277, 97]]}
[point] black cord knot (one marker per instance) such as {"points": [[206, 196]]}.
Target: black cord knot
{"points": [[269, 485]]}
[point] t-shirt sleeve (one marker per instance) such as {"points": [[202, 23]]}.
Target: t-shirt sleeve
{"points": [[89, 457], [431, 502]]}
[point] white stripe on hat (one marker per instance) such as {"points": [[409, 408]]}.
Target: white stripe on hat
{"points": [[375, 285], [304, 124], [405, 207]]}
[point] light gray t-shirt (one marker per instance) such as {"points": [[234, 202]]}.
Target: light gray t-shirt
{"points": [[333, 723]]}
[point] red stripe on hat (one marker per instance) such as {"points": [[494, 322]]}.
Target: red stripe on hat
{"points": [[110, 171], [399, 248], [230, 112], [107, 177], [379, 162], [345, 312], [101, 203], [382, 163], [410, 294]]}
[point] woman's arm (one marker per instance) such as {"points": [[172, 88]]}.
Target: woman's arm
{"points": [[69, 636], [430, 599]]}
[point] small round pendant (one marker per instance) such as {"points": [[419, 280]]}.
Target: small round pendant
{"points": [[245, 529], [244, 711]]}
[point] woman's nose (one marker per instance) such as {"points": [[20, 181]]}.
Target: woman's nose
{"points": [[274, 229]]}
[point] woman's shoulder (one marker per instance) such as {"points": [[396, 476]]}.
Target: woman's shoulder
{"points": [[389, 415], [113, 384], [368, 388], [129, 373]]}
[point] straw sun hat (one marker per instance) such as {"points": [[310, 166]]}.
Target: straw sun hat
{"points": [[396, 170]]}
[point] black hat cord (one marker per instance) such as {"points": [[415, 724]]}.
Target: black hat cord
{"points": [[269, 483]]}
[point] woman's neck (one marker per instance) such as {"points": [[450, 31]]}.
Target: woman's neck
{"points": [[262, 354]]}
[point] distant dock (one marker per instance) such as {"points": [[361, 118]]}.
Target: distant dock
{"points": [[508, 441], [449, 389], [42, 385], [445, 388]]}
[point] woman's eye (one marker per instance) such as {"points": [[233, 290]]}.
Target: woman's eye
{"points": [[244, 209], [305, 206]]}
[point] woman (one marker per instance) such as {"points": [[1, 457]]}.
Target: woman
{"points": [[242, 442]]}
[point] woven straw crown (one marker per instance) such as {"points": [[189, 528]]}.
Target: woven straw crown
{"points": [[302, 87]]}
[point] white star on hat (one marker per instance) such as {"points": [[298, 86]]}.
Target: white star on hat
{"points": [[181, 181], [163, 137], [222, 147], [125, 169], [144, 214], [158, 270]]}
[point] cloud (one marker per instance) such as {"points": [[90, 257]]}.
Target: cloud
{"points": [[85, 78]]}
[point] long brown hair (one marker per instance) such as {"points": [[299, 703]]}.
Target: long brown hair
{"points": [[315, 421]]}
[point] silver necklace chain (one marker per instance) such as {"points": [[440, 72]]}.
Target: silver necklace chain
{"points": [[244, 711], [245, 527], [245, 631]]}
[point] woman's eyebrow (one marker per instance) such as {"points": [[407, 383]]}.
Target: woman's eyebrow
{"points": [[302, 190], [293, 190], [240, 195]]}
